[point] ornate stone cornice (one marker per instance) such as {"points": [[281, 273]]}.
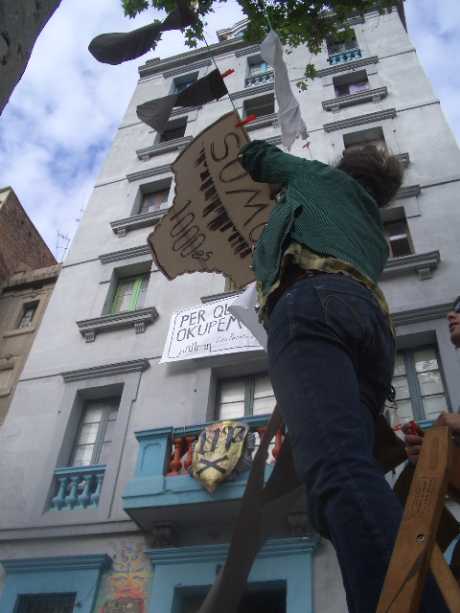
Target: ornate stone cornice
{"points": [[274, 140], [415, 316], [148, 172], [348, 66], [158, 149], [424, 264], [138, 320], [253, 91], [408, 191], [188, 68], [370, 95], [184, 60], [120, 227], [215, 553], [125, 254], [106, 370], [59, 563], [220, 296], [262, 122], [359, 120], [248, 50]]}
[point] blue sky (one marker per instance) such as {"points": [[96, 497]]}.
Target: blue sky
{"points": [[62, 117]]}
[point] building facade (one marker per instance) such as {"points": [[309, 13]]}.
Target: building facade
{"points": [[28, 273], [105, 517]]}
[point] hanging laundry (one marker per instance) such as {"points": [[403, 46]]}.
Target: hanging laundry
{"points": [[291, 123], [118, 47], [155, 113]]}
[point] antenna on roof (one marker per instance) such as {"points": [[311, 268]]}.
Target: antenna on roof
{"points": [[62, 244]]}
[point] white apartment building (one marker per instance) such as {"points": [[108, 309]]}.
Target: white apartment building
{"points": [[98, 513]]}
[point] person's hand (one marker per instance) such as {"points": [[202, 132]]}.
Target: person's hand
{"points": [[413, 438], [451, 420]]}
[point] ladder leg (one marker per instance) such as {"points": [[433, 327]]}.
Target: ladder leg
{"points": [[409, 562], [445, 580]]}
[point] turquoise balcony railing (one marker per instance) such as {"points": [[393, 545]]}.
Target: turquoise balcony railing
{"points": [[77, 487], [259, 78], [162, 488], [344, 56]]}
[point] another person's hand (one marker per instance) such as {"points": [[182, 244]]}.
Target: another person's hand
{"points": [[451, 420], [413, 441]]}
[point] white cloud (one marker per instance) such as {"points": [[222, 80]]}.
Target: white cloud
{"points": [[62, 116], [434, 28]]}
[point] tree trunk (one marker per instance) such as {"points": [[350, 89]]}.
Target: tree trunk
{"points": [[21, 22]]}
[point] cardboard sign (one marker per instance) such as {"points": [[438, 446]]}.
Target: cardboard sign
{"points": [[205, 330], [219, 212]]}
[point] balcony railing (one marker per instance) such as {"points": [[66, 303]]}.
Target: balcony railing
{"points": [[344, 56], [77, 487], [181, 449], [259, 78], [162, 488]]}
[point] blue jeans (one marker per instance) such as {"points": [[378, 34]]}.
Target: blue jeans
{"points": [[331, 358]]}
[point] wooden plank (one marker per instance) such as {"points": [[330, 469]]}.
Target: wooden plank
{"points": [[406, 573], [445, 579]]}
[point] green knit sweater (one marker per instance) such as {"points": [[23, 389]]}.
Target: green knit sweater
{"points": [[322, 208]]}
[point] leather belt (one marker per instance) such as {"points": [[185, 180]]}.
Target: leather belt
{"points": [[291, 275]]}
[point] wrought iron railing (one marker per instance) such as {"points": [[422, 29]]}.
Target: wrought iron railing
{"points": [[344, 56]]}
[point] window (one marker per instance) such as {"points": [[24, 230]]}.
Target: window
{"points": [[270, 599], [94, 438], [260, 106], [27, 315], [398, 238], [46, 603], [153, 201], [339, 46], [256, 65], [419, 386], [182, 82], [174, 129], [129, 293], [352, 83], [243, 396], [372, 136]]}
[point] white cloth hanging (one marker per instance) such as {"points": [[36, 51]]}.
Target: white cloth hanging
{"points": [[244, 309], [291, 123]]}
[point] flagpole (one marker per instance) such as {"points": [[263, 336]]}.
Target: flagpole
{"points": [[217, 68], [263, 6]]}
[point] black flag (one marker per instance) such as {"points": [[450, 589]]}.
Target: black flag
{"points": [[118, 47], [155, 113]]}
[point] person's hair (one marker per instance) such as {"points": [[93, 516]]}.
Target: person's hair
{"points": [[379, 172]]}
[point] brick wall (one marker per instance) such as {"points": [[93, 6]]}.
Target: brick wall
{"points": [[21, 246]]}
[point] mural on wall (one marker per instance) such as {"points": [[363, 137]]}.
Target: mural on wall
{"points": [[125, 587]]}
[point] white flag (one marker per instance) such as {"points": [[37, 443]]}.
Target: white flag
{"points": [[291, 122], [244, 309]]}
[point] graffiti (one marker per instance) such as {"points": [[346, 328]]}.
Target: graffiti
{"points": [[125, 587]]}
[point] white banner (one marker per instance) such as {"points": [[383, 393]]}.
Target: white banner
{"points": [[205, 330]]}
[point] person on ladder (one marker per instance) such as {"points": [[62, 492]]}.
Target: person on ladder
{"points": [[331, 347], [413, 440]]}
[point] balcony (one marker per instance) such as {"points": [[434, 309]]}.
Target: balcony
{"points": [[368, 95], [77, 487], [162, 489], [259, 78], [347, 55]]}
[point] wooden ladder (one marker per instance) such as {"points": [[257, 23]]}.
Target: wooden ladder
{"points": [[415, 549]]}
